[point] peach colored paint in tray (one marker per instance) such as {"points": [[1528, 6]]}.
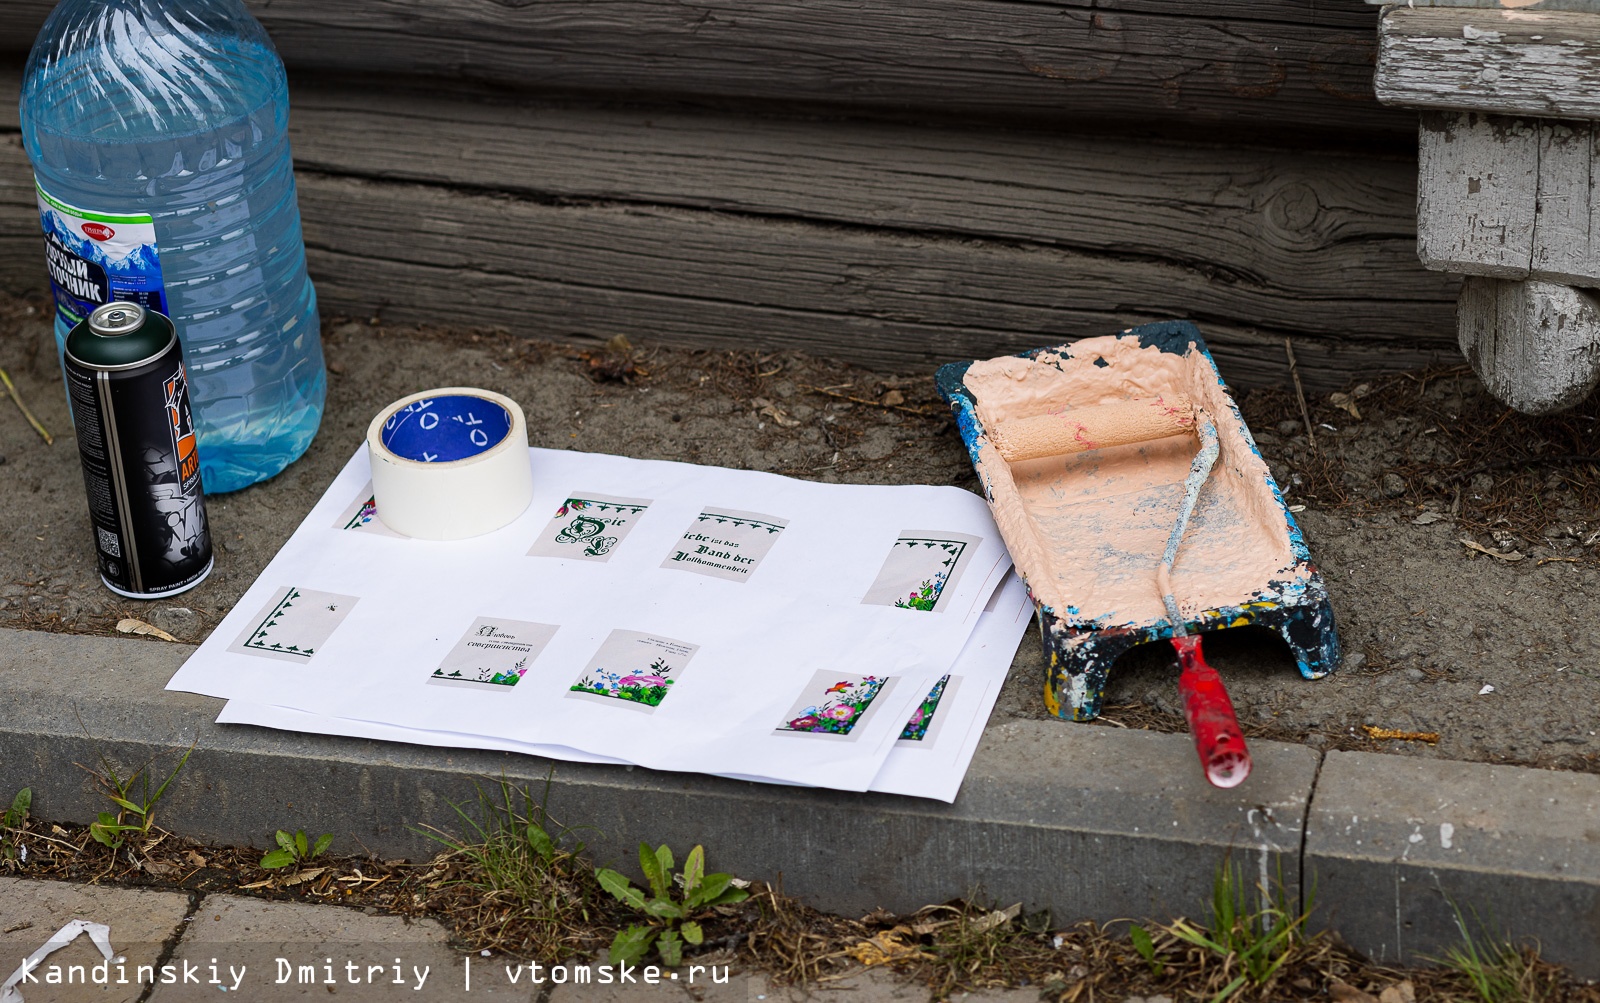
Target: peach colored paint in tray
{"points": [[1087, 530]]}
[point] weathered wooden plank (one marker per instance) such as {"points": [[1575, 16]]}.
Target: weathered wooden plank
{"points": [[1246, 356], [1309, 242], [1509, 198], [1477, 188], [782, 264], [701, 278], [1586, 6], [429, 255], [1514, 62], [21, 247], [1535, 344], [1149, 62], [1564, 235]]}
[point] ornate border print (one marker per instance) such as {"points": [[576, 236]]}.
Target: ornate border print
{"points": [[920, 570], [726, 544], [294, 625], [588, 527]]}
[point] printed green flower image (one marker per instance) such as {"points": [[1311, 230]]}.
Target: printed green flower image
{"points": [[917, 728], [843, 705], [648, 688], [509, 677], [926, 597]]}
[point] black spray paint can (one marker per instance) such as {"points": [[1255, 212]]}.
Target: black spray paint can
{"points": [[130, 405]]}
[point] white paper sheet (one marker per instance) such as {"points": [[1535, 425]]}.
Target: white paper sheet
{"points": [[648, 663], [931, 766]]}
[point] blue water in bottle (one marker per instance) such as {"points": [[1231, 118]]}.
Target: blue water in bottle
{"points": [[158, 135]]}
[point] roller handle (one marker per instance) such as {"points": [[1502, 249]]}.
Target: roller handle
{"points": [[1211, 719], [1079, 429]]}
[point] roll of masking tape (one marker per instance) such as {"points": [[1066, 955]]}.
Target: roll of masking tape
{"points": [[448, 464]]}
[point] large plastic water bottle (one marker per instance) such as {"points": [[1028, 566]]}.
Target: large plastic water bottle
{"points": [[158, 135]]}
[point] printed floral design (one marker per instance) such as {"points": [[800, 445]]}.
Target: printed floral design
{"points": [[917, 728], [596, 525], [510, 677], [648, 688], [921, 570], [586, 530], [842, 706], [925, 597], [367, 512]]}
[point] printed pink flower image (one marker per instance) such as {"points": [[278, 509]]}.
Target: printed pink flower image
{"points": [[643, 681], [841, 708], [916, 729], [648, 688]]}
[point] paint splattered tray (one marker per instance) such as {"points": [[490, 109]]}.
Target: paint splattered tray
{"points": [[1087, 529]]}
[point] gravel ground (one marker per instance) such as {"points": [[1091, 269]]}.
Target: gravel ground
{"points": [[1427, 622]]}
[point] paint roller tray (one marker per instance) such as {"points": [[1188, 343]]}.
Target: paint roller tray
{"points": [[1086, 530]]}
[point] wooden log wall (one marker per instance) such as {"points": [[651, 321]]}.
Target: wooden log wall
{"points": [[894, 182]]}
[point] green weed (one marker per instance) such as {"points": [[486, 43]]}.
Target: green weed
{"points": [[1146, 946], [1252, 945], [135, 816], [295, 850], [11, 821], [673, 919], [1495, 969], [508, 883]]}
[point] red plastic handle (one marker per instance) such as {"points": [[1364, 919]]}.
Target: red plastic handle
{"points": [[1211, 719]]}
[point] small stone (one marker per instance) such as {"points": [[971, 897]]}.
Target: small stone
{"points": [[179, 621], [337, 368], [1482, 484], [1416, 675], [893, 398], [1393, 485], [1288, 427], [1354, 660]]}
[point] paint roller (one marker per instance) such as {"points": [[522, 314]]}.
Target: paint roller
{"points": [[1206, 705]]}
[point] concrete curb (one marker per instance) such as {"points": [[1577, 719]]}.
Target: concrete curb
{"points": [[1088, 822]]}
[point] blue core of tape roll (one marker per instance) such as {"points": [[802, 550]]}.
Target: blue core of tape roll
{"points": [[442, 429]]}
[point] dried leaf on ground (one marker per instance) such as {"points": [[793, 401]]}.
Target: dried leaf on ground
{"points": [[301, 877], [1400, 992], [768, 409], [998, 917], [1342, 993], [885, 948], [132, 626], [1480, 548]]}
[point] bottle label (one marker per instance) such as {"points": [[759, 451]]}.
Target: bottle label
{"points": [[97, 257]]}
